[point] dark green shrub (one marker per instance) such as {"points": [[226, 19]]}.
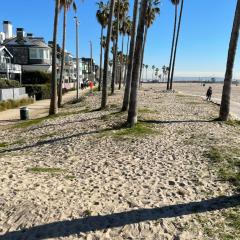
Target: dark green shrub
{"points": [[36, 77], [41, 91], [5, 83]]}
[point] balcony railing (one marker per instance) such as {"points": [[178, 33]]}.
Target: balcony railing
{"points": [[10, 68]]}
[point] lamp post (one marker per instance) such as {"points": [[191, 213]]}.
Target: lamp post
{"points": [[77, 59]]}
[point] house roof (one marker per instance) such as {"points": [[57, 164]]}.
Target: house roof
{"points": [[3, 48], [27, 41]]}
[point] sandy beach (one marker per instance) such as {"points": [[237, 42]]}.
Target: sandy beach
{"points": [[81, 175]]}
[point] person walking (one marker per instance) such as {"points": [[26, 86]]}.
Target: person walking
{"points": [[209, 94]]}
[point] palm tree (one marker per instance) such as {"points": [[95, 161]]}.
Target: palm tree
{"points": [[114, 52], [102, 18], [53, 102], [152, 11], [65, 4], [146, 66], [130, 58], [176, 44], [128, 25], [106, 56], [132, 112], [226, 94], [153, 68], [124, 7], [175, 3]]}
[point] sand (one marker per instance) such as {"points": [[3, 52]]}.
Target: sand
{"points": [[101, 183]]}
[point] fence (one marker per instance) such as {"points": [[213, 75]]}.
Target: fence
{"points": [[12, 93]]}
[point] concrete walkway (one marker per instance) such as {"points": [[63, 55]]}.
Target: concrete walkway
{"points": [[36, 110], [234, 107]]}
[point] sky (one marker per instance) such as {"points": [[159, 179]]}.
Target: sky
{"points": [[203, 42]]}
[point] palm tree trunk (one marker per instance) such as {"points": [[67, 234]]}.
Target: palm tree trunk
{"points": [[53, 103], [176, 44], [132, 112], [142, 55], [173, 41], [121, 66], [114, 68], [63, 58], [106, 56], [130, 58], [100, 70], [126, 63], [226, 94]]}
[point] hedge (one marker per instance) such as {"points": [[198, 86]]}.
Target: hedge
{"points": [[4, 105], [41, 91], [5, 83], [36, 77]]}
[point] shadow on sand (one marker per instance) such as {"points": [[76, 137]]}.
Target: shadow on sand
{"points": [[93, 223]]}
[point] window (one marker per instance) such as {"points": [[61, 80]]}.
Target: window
{"points": [[39, 53], [33, 53]]}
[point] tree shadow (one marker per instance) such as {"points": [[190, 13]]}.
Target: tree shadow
{"points": [[94, 223], [50, 141], [177, 121]]}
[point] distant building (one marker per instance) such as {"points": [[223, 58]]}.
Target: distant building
{"points": [[7, 69]]}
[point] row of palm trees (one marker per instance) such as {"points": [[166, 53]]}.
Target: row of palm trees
{"points": [[56, 87], [113, 16]]}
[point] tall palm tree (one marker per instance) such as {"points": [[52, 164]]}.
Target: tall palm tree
{"points": [[132, 112], [124, 7], [146, 66], [153, 68], [128, 25], [114, 39], [102, 18], [175, 3], [130, 58], [53, 102], [176, 44], [106, 56], [226, 94], [152, 11], [65, 4]]}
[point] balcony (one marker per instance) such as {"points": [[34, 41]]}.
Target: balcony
{"points": [[10, 68]]}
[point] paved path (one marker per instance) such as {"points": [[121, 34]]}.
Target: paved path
{"points": [[37, 110]]}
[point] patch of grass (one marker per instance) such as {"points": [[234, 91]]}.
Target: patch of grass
{"points": [[87, 213], [47, 135], [138, 130], [3, 144], [233, 221], [70, 177], [32, 122], [44, 170], [215, 155], [227, 159], [146, 110], [234, 123]]}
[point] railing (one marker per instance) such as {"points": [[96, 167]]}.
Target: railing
{"points": [[10, 68]]}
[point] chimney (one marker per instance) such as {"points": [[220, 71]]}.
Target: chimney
{"points": [[30, 35], [20, 33], [8, 29], [2, 37]]}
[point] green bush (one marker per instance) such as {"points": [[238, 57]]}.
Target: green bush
{"points": [[41, 91], [36, 77], [5, 83], [4, 105]]}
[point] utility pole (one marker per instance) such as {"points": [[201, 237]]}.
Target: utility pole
{"points": [[77, 59], [91, 61]]}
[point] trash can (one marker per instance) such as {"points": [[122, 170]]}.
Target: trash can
{"points": [[24, 113]]}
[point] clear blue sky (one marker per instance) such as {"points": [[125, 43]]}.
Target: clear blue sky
{"points": [[203, 42]]}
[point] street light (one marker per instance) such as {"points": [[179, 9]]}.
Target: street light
{"points": [[77, 60]]}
